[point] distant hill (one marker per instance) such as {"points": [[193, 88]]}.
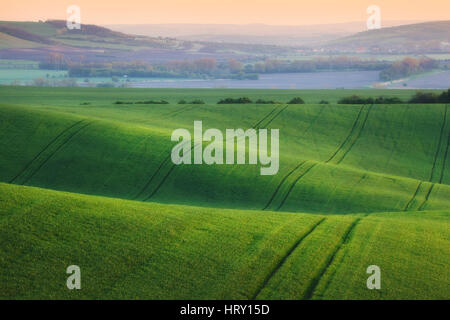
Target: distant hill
{"points": [[55, 32], [246, 43], [412, 38], [96, 43], [284, 35]]}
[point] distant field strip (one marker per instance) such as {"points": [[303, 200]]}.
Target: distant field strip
{"points": [[283, 260], [45, 154], [355, 132]]}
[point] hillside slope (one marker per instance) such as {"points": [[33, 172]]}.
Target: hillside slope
{"points": [[99, 44], [378, 158], [425, 37], [136, 250], [89, 182]]}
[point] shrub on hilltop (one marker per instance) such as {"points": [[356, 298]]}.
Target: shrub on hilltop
{"points": [[296, 100]]}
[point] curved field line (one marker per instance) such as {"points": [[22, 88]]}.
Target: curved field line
{"points": [[315, 281], [313, 122], [357, 136], [182, 109], [293, 170], [285, 257], [156, 173], [45, 148], [413, 197], [281, 183], [54, 152], [163, 163], [274, 117], [161, 183], [173, 165], [436, 155], [256, 125], [152, 176], [165, 160], [348, 136], [293, 185], [426, 197]]}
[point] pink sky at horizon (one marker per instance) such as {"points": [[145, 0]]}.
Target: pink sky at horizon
{"points": [[280, 12]]}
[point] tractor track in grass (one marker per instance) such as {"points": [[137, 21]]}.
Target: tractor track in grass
{"points": [[441, 179], [256, 125], [348, 136], [357, 136], [149, 181], [49, 145], [281, 183], [167, 158], [172, 166], [294, 169], [347, 139], [445, 160], [161, 183], [413, 197], [285, 257], [426, 197], [286, 196], [313, 122], [345, 240], [273, 118], [59, 147], [177, 112], [436, 155]]}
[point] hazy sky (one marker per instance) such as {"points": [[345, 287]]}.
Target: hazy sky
{"points": [[281, 12]]}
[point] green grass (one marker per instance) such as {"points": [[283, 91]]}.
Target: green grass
{"points": [[357, 185], [136, 250], [106, 96]]}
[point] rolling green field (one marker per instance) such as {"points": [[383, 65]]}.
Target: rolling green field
{"points": [[89, 182]]}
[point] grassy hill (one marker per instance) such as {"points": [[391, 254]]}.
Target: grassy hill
{"points": [[406, 38], [89, 182], [99, 44], [137, 250], [55, 32]]}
